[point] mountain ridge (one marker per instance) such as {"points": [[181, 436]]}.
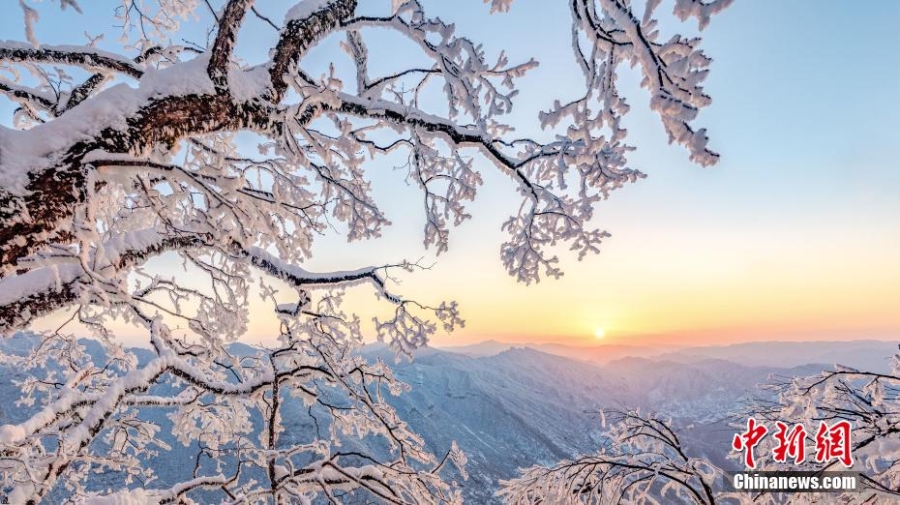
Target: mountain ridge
{"points": [[523, 406]]}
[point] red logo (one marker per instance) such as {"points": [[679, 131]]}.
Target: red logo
{"points": [[749, 439], [832, 442], [791, 444]]}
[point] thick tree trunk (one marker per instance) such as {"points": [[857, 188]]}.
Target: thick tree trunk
{"points": [[44, 214]]}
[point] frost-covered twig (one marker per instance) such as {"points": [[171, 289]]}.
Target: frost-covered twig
{"points": [[123, 155], [642, 461]]}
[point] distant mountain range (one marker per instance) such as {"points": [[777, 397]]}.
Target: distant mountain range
{"points": [[864, 354], [522, 406], [510, 407]]}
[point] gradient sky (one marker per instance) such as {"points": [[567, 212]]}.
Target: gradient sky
{"points": [[795, 234]]}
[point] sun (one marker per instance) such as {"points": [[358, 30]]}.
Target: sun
{"points": [[599, 333]]}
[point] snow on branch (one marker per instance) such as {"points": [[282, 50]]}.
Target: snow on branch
{"points": [[305, 24], [223, 47], [643, 459], [220, 399], [868, 400], [644, 462], [177, 103], [82, 56], [140, 157]]}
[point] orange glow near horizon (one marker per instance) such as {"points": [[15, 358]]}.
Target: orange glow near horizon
{"points": [[705, 292], [685, 290], [708, 298]]}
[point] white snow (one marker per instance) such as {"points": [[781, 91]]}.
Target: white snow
{"points": [[69, 48], [300, 273], [305, 9], [31, 17], [475, 99], [24, 151], [247, 84], [10, 433], [128, 497], [14, 288]]}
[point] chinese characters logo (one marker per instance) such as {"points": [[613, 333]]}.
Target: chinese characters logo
{"points": [[831, 442]]}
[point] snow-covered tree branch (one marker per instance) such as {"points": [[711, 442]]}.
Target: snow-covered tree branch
{"points": [[643, 462], [868, 400], [121, 152]]}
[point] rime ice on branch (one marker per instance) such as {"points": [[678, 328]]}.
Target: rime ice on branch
{"points": [[123, 154]]}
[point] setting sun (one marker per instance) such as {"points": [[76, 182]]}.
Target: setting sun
{"points": [[599, 333]]}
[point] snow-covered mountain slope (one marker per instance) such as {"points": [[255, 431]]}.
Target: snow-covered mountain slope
{"points": [[523, 407], [513, 409]]}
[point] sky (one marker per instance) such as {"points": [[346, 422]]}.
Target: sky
{"points": [[794, 235]]}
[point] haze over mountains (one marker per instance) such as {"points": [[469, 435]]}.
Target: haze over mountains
{"points": [[512, 407], [864, 354]]}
